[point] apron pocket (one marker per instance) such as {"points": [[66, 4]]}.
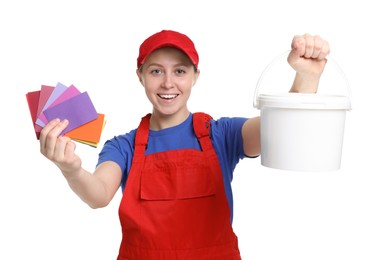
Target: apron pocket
{"points": [[174, 183]]}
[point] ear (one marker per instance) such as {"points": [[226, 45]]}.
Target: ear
{"points": [[139, 75], [196, 76]]}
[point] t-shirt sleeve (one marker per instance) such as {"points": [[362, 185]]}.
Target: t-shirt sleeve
{"points": [[119, 150], [227, 139], [228, 132]]}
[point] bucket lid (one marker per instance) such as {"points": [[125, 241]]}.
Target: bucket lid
{"points": [[304, 101]]}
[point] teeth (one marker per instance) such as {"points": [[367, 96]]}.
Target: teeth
{"points": [[168, 96]]}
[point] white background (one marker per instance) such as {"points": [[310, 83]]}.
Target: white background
{"points": [[94, 45]]}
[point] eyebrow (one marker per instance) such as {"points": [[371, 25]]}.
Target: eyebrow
{"points": [[175, 65]]}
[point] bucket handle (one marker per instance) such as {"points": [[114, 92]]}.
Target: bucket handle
{"points": [[285, 54]]}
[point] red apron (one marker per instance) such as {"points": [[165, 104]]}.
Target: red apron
{"points": [[174, 204]]}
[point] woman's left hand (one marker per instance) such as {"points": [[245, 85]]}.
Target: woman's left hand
{"points": [[308, 54], [308, 58]]}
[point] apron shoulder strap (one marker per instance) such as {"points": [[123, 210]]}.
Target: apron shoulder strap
{"points": [[202, 126], [142, 135], [143, 131]]}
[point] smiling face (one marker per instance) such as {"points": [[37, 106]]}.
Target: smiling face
{"points": [[168, 77]]}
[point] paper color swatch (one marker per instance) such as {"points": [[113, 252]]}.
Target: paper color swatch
{"points": [[48, 103], [90, 133], [78, 110], [33, 100], [45, 93]]}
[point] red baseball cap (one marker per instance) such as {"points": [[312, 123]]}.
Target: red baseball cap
{"points": [[168, 38]]}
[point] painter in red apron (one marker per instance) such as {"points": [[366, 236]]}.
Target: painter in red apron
{"points": [[174, 204]]}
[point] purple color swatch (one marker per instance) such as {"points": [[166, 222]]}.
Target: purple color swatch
{"points": [[78, 110]]}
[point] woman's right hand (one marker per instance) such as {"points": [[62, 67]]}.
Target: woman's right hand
{"points": [[59, 149]]}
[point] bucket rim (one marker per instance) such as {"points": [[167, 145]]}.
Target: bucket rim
{"points": [[304, 101]]}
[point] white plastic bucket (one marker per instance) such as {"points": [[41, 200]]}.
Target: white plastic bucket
{"points": [[302, 132]]}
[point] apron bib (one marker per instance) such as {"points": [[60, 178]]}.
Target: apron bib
{"points": [[174, 204]]}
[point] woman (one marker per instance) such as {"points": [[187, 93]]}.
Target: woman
{"points": [[176, 168]]}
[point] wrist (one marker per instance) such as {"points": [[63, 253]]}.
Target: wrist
{"points": [[305, 83], [72, 175]]}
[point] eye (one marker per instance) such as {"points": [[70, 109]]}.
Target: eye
{"points": [[180, 71], [155, 71]]}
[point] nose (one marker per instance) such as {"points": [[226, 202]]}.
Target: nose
{"points": [[168, 81]]}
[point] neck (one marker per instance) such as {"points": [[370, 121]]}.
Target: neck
{"points": [[160, 121]]}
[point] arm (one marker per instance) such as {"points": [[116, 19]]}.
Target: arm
{"points": [[308, 59], [96, 189]]}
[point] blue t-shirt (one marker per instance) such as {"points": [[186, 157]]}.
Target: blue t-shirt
{"points": [[226, 136]]}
